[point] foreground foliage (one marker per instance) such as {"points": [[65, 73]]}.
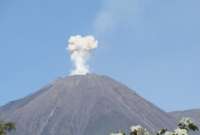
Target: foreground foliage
{"points": [[6, 127], [185, 126]]}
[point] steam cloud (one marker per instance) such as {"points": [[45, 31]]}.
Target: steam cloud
{"points": [[114, 13], [80, 49]]}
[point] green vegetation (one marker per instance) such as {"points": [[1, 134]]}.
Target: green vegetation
{"points": [[6, 127], [184, 127]]}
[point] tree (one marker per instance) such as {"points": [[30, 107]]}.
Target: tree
{"points": [[6, 127], [184, 127], [187, 124], [162, 131], [138, 130]]}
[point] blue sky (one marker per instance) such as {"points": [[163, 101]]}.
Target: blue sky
{"points": [[150, 45]]}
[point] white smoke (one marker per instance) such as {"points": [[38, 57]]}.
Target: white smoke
{"points": [[114, 14], [80, 49]]}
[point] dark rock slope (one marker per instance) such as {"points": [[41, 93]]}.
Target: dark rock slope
{"points": [[83, 105]]}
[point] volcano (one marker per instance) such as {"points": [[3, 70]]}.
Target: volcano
{"points": [[83, 105]]}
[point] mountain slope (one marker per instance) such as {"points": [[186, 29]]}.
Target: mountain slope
{"points": [[83, 105]]}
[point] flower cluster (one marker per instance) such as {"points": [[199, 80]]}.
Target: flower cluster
{"points": [[117, 133], [139, 130], [184, 127], [179, 131]]}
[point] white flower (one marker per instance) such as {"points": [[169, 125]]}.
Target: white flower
{"points": [[169, 133], [186, 121], [138, 127], [179, 131], [116, 134], [140, 130]]}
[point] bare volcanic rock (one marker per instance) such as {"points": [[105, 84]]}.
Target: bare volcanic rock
{"points": [[83, 105]]}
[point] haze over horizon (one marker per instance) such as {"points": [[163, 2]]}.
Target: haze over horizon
{"points": [[151, 46]]}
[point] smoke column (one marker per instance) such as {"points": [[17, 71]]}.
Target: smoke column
{"points": [[80, 49]]}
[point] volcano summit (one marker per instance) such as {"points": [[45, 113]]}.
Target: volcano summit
{"points": [[83, 105]]}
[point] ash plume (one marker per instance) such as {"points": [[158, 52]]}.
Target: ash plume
{"points": [[80, 48]]}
